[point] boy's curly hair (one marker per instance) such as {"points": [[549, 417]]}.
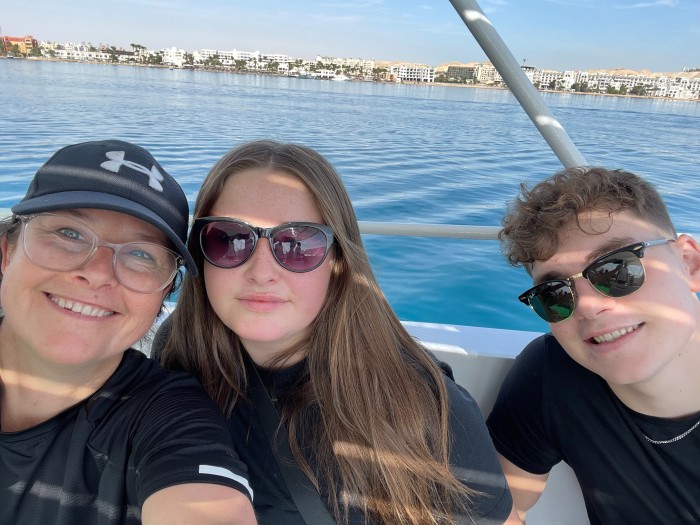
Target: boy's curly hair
{"points": [[532, 226]]}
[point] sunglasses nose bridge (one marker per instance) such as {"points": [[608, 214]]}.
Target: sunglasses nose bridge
{"points": [[585, 275], [266, 233], [263, 233]]}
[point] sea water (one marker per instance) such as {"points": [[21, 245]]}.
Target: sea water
{"points": [[407, 153]]}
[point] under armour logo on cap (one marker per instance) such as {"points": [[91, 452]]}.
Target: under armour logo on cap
{"points": [[97, 175], [117, 161]]}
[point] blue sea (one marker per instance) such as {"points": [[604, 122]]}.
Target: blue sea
{"points": [[407, 153]]}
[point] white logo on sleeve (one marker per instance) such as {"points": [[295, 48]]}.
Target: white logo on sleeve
{"points": [[226, 473], [116, 161]]}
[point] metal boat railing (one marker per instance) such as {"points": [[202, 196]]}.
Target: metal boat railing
{"points": [[530, 100], [515, 78], [454, 231]]}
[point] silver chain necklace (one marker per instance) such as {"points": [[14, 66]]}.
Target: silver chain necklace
{"points": [[672, 440]]}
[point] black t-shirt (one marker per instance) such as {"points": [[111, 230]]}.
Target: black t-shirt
{"points": [[473, 458], [146, 429], [551, 409]]}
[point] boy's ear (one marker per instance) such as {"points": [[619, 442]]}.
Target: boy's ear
{"points": [[690, 251]]}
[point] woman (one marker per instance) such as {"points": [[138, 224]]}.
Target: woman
{"points": [[92, 431], [287, 294]]}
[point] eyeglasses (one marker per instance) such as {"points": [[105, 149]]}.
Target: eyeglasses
{"points": [[616, 274], [63, 243], [297, 246]]}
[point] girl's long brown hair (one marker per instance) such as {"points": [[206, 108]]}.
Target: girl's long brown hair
{"points": [[381, 441]]}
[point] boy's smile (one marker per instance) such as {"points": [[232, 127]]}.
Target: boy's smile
{"points": [[641, 339]]}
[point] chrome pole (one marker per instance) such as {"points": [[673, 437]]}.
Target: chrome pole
{"points": [[453, 231], [516, 79]]}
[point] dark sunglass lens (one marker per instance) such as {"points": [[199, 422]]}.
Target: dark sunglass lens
{"points": [[553, 301], [617, 274], [300, 248], [227, 244]]}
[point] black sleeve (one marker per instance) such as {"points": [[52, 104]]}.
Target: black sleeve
{"points": [[473, 459], [518, 421], [182, 437]]}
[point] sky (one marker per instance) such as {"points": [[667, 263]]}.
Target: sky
{"points": [[656, 35]]}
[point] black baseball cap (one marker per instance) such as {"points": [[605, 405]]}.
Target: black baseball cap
{"points": [[112, 175]]}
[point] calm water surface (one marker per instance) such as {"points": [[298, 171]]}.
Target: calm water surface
{"points": [[419, 154]]}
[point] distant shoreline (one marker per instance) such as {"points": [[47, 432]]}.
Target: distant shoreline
{"points": [[407, 83], [454, 84]]}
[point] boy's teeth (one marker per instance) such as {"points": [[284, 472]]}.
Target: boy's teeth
{"points": [[606, 338]]}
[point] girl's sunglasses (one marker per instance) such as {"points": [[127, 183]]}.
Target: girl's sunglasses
{"points": [[297, 246], [615, 274]]}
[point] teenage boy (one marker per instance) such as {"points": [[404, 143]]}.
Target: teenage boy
{"points": [[613, 390]]}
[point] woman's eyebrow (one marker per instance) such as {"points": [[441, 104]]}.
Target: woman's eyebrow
{"points": [[136, 235]]}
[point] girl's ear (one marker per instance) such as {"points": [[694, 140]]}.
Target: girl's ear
{"points": [[690, 251]]}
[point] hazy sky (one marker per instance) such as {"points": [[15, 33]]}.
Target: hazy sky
{"points": [[658, 35]]}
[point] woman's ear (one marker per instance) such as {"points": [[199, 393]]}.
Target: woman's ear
{"points": [[5, 253], [690, 252]]}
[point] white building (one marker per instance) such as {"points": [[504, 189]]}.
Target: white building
{"points": [[252, 59], [413, 73], [72, 51], [173, 56], [486, 73]]}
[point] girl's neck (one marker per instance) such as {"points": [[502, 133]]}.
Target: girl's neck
{"points": [[273, 360]]}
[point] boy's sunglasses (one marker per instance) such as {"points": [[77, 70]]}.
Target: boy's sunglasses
{"points": [[297, 246], [615, 274]]}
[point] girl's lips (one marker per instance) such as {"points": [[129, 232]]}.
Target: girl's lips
{"points": [[261, 303]]}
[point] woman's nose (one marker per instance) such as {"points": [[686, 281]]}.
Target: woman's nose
{"points": [[98, 270]]}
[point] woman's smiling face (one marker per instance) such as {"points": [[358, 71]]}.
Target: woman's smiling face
{"points": [[82, 317]]}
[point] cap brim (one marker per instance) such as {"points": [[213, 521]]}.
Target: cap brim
{"points": [[103, 201]]}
